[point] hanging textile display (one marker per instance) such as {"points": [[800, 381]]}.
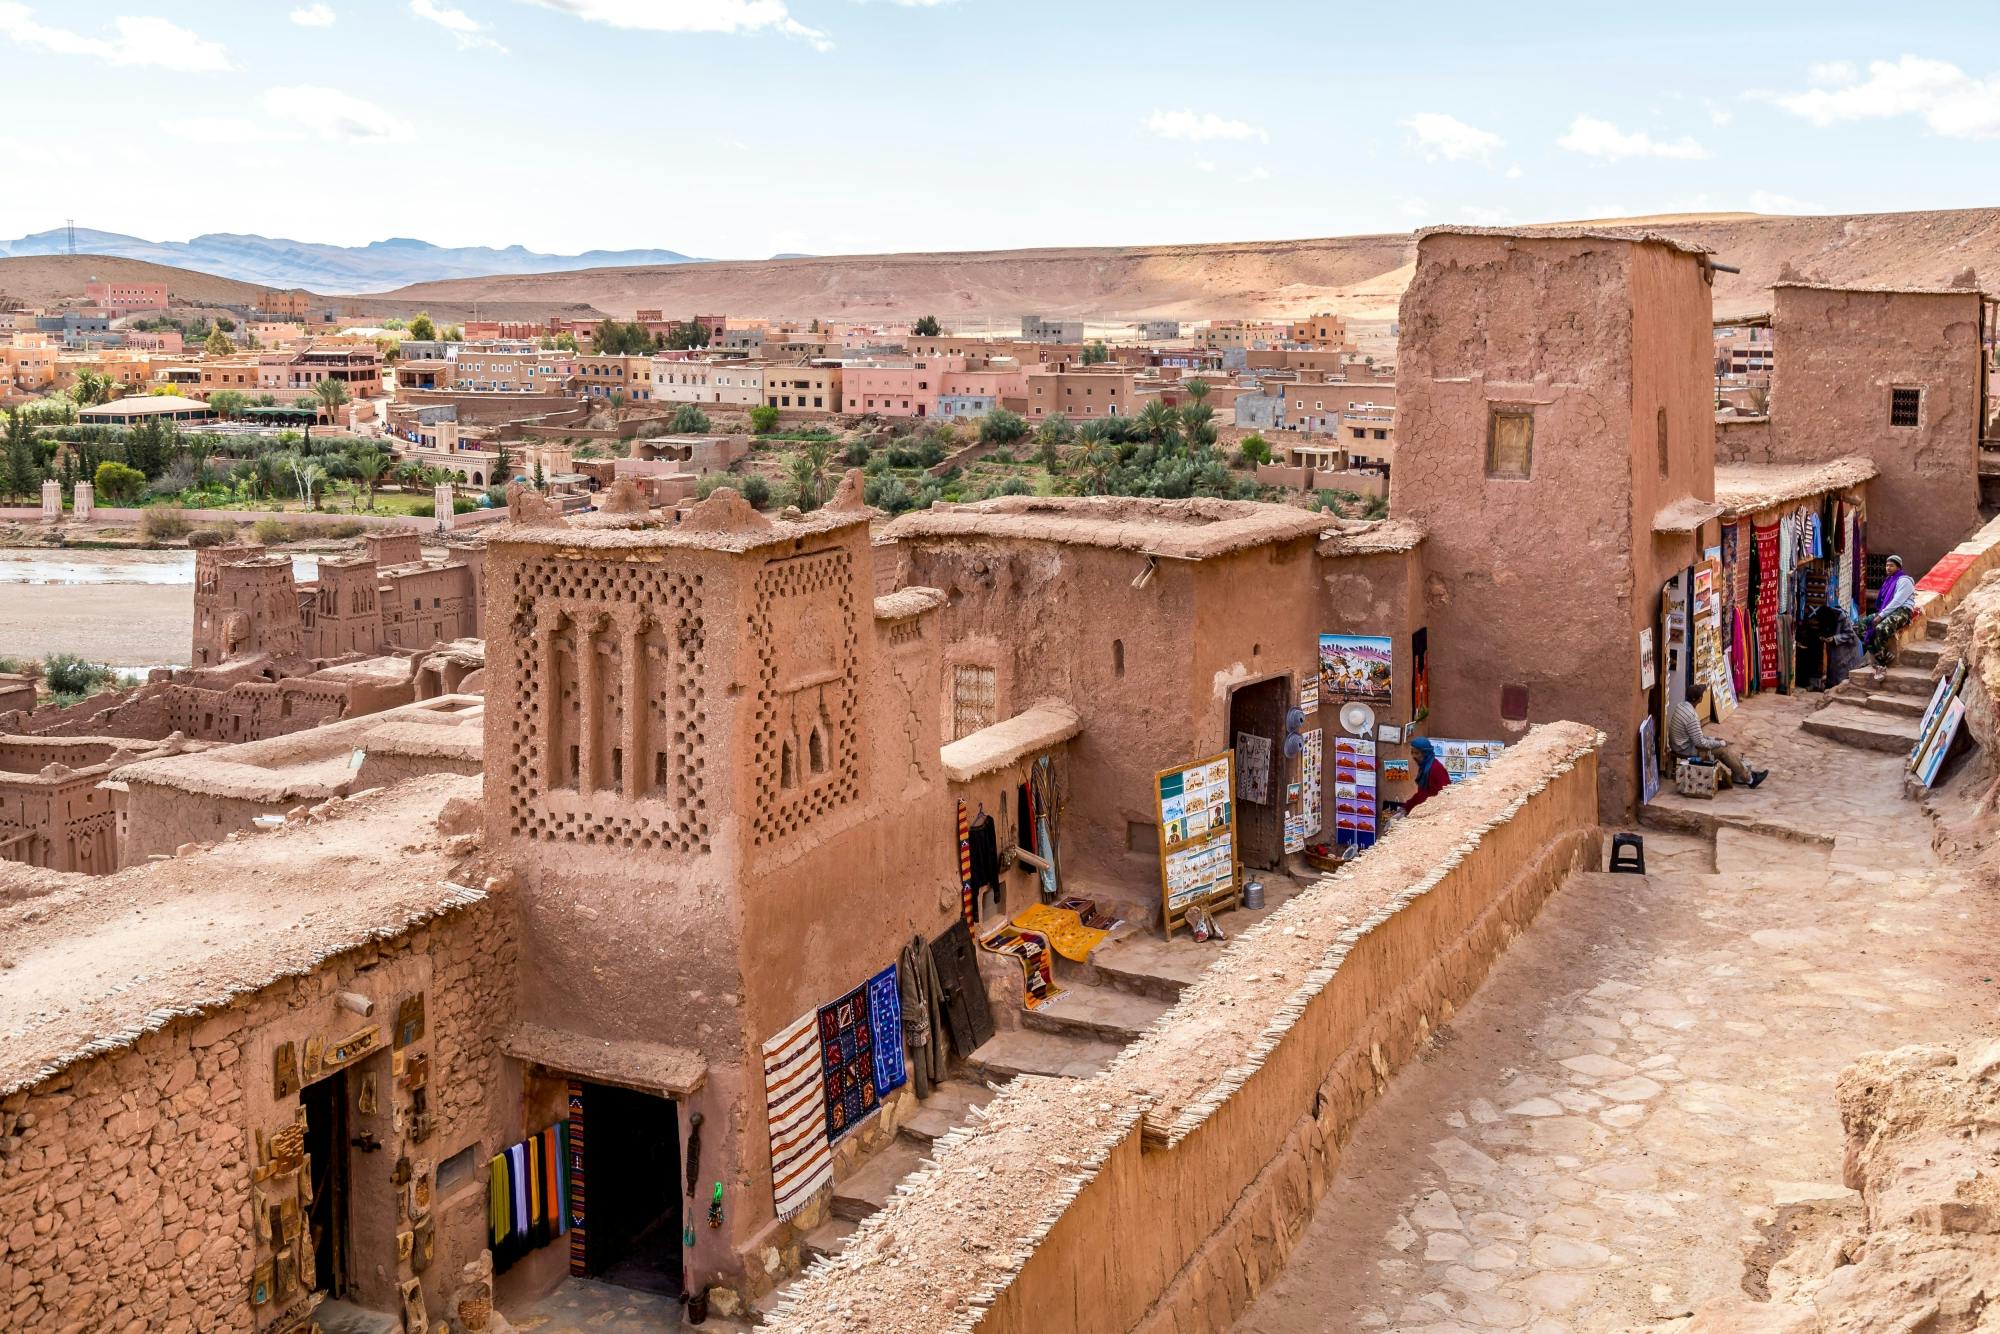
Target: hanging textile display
{"points": [[847, 1062], [573, 1145], [921, 999], [965, 907], [1074, 927], [795, 1105], [1253, 767], [1843, 566], [1048, 822], [1769, 579], [885, 1030], [527, 1193]]}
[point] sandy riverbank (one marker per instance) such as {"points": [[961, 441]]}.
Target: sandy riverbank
{"points": [[126, 625]]}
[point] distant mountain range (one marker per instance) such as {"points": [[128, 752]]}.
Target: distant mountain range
{"points": [[377, 266]]}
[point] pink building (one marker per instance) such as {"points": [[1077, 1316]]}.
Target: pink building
{"points": [[889, 389], [965, 392], [119, 297]]}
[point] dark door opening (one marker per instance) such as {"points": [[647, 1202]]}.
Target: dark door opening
{"points": [[1258, 710], [325, 1104], [632, 1163]]}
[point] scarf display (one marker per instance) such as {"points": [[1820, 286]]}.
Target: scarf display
{"points": [[795, 1107], [527, 1200]]}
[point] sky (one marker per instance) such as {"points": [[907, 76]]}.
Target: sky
{"points": [[744, 128]]}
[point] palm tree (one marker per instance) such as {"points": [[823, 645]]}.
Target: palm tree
{"points": [[817, 454], [1098, 461], [1196, 389], [1157, 418], [368, 463], [329, 394], [802, 482], [90, 388]]}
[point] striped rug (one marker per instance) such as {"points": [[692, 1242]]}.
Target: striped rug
{"points": [[795, 1096]]}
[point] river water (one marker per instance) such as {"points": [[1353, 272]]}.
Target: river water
{"points": [[42, 565]]}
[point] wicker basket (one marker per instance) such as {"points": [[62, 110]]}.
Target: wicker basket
{"points": [[475, 1313]]}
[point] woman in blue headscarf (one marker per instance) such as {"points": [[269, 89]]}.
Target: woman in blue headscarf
{"points": [[1430, 774]]}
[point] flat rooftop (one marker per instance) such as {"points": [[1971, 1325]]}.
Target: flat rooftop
{"points": [[1638, 235], [1745, 488], [1181, 529], [96, 962]]}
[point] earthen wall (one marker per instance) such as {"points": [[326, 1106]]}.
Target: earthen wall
{"points": [[126, 1180], [1841, 356]]}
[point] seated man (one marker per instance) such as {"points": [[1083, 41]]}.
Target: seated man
{"points": [[1691, 743], [1895, 608]]}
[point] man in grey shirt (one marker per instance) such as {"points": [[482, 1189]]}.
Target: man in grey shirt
{"points": [[1689, 742]]}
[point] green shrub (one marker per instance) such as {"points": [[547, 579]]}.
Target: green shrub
{"points": [[856, 454], [757, 490], [1016, 486], [709, 481], [763, 419], [165, 523], [114, 482], [67, 674], [271, 531], [886, 492]]}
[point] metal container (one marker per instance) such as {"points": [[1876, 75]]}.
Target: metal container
{"points": [[1253, 895]]}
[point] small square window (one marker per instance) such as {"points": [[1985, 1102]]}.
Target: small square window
{"points": [[1905, 406], [1510, 440]]}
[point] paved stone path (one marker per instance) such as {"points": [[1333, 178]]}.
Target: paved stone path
{"points": [[1606, 1132]]}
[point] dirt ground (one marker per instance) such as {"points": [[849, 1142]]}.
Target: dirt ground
{"points": [[126, 625], [1618, 1126]]}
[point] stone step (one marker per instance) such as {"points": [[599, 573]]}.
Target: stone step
{"points": [[1907, 706], [1937, 627], [1027, 1051], [1922, 653], [828, 1239], [869, 1186], [1901, 680], [1097, 1012], [949, 1106], [1863, 728]]}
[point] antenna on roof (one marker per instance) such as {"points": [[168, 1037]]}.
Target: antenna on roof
{"points": [[69, 230]]}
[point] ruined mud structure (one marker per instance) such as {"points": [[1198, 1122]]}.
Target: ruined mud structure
{"points": [[679, 897]]}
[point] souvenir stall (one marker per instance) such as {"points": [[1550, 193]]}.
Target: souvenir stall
{"points": [[1793, 578]]}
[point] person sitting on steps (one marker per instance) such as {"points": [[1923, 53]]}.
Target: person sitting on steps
{"points": [[1691, 743]]}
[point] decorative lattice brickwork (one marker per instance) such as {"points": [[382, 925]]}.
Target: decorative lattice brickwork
{"points": [[607, 729], [806, 744]]}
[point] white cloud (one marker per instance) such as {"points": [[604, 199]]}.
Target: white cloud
{"points": [[1254, 174], [1514, 172], [1718, 115], [314, 16], [140, 42], [1827, 72], [1768, 201], [1416, 208], [466, 30], [225, 130], [1950, 101], [1448, 137], [1600, 138], [713, 16], [1202, 127], [329, 113], [1204, 164], [1480, 216]]}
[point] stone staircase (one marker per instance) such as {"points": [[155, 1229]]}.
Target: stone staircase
{"points": [[1876, 710]]}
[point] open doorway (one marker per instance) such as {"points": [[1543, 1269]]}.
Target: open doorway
{"points": [[325, 1103], [1258, 711], [632, 1163]]}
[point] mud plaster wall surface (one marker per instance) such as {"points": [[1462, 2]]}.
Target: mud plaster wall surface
{"points": [[1544, 582], [1838, 356], [125, 1194], [711, 920], [1052, 618], [1216, 1163]]}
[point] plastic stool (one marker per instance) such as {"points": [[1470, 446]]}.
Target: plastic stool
{"points": [[1635, 846]]}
